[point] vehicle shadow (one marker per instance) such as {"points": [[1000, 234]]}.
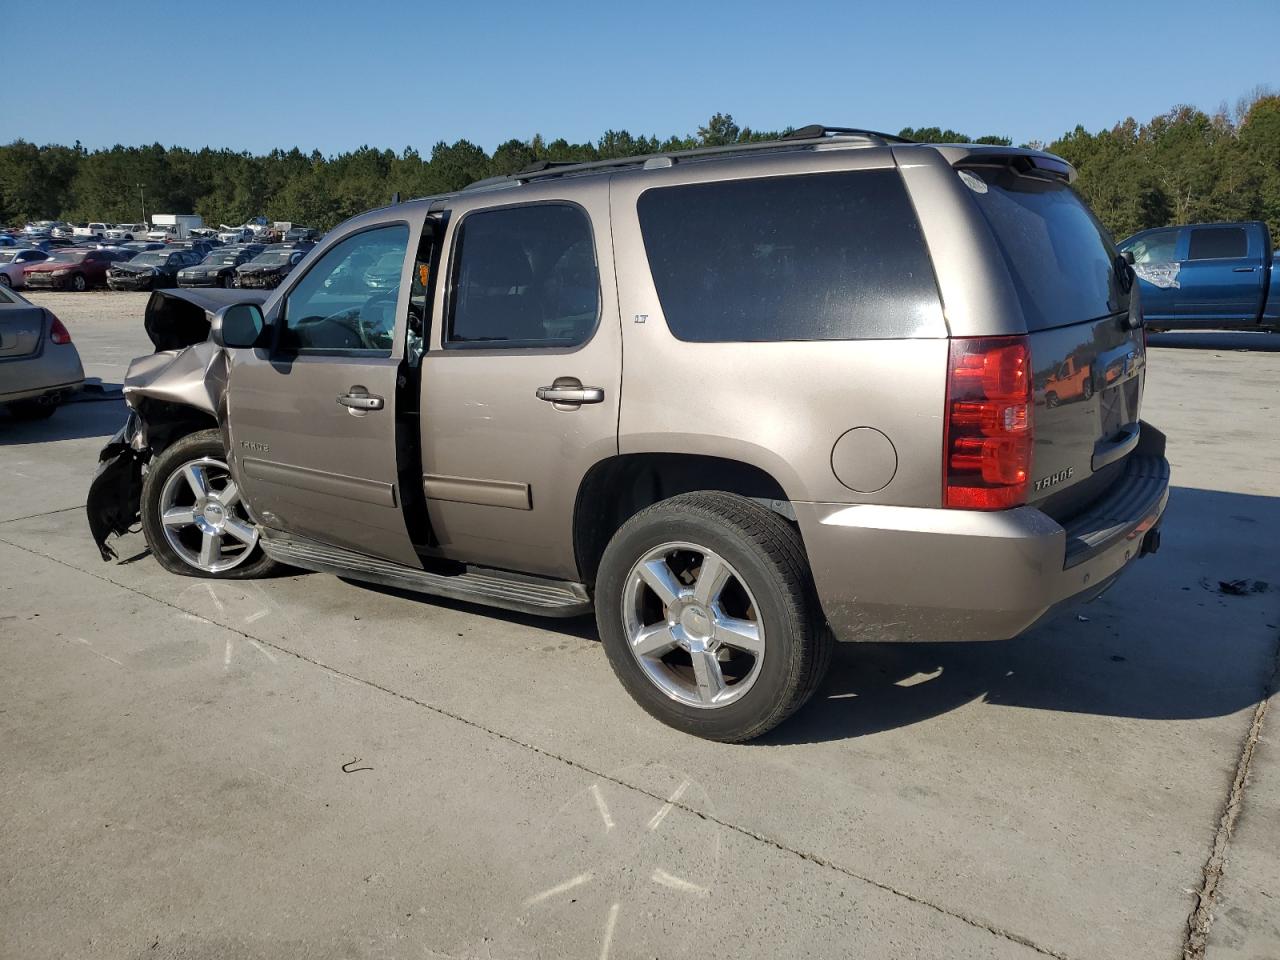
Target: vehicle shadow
{"points": [[1259, 341], [71, 421], [1167, 643]]}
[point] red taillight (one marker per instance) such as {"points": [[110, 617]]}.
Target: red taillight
{"points": [[988, 428], [58, 333]]}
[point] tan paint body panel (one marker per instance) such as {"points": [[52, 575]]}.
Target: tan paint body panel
{"points": [[779, 406], [486, 493], [482, 420], [318, 452]]}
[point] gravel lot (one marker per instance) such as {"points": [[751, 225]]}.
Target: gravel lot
{"points": [[174, 749]]}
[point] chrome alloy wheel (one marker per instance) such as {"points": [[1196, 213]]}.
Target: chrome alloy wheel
{"points": [[693, 625], [203, 519]]}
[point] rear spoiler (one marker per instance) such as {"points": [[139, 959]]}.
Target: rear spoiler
{"points": [[1029, 163], [180, 318]]}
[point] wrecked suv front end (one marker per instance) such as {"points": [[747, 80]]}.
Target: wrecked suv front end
{"points": [[170, 393]]}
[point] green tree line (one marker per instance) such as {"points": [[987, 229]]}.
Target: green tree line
{"points": [[1184, 166]]}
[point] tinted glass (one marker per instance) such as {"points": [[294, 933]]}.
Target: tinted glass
{"points": [[273, 257], [524, 276], [336, 306], [1156, 247], [1060, 258], [830, 256], [1218, 243]]}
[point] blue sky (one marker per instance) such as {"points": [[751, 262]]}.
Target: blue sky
{"points": [[334, 75]]}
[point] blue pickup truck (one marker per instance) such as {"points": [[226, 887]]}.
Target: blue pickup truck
{"points": [[1222, 275]]}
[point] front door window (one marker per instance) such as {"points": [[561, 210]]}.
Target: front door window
{"points": [[347, 300]]}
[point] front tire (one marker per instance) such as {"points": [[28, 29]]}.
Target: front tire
{"points": [[708, 614], [79, 283], [5, 281], [193, 517]]}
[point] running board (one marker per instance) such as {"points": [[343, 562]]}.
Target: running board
{"points": [[495, 588]]}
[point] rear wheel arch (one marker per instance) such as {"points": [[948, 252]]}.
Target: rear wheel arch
{"points": [[616, 489]]}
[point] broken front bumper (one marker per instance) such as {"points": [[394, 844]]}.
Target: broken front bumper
{"points": [[115, 495]]}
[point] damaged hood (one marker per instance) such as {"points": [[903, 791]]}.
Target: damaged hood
{"points": [[180, 318]]}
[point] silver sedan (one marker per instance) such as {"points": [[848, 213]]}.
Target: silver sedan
{"points": [[39, 365]]}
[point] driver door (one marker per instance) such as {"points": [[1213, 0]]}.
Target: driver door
{"points": [[312, 418]]}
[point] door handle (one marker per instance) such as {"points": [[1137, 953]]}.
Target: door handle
{"points": [[360, 400], [1243, 269], [569, 390]]}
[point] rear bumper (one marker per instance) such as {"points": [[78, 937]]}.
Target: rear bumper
{"points": [[909, 573], [55, 369]]}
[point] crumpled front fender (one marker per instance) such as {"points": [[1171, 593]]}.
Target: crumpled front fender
{"points": [[193, 376]]}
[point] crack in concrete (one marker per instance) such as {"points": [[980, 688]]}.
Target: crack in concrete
{"points": [[782, 847], [1201, 920], [47, 513]]}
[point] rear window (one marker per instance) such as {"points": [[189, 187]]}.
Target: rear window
{"points": [[1061, 259], [829, 256], [1218, 243]]}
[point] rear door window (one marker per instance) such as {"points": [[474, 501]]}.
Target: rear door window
{"points": [[524, 276], [829, 256], [1218, 243], [1060, 258]]}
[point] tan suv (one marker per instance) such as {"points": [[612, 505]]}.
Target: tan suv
{"points": [[742, 401]]}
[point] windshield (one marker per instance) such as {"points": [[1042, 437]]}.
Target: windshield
{"points": [[6, 256], [273, 257], [151, 259], [69, 256], [1060, 257], [221, 259]]}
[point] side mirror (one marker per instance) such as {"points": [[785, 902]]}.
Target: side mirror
{"points": [[237, 325], [1128, 257]]}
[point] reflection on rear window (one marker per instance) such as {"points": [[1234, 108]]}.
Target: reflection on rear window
{"points": [[1060, 258]]}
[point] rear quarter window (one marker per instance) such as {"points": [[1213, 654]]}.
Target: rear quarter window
{"points": [[1060, 258], [829, 256]]}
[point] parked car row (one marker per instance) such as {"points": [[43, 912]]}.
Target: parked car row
{"points": [[145, 265]]}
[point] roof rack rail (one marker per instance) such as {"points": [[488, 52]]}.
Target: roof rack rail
{"points": [[809, 136], [822, 130]]}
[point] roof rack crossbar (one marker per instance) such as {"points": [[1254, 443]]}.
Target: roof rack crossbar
{"points": [[797, 139]]}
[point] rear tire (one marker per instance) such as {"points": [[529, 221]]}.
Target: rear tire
{"points": [[687, 652], [182, 547], [32, 409]]}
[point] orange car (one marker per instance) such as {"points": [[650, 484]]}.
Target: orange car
{"points": [[1071, 381]]}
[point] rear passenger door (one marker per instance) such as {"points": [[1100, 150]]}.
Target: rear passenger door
{"points": [[1221, 277], [521, 378]]}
